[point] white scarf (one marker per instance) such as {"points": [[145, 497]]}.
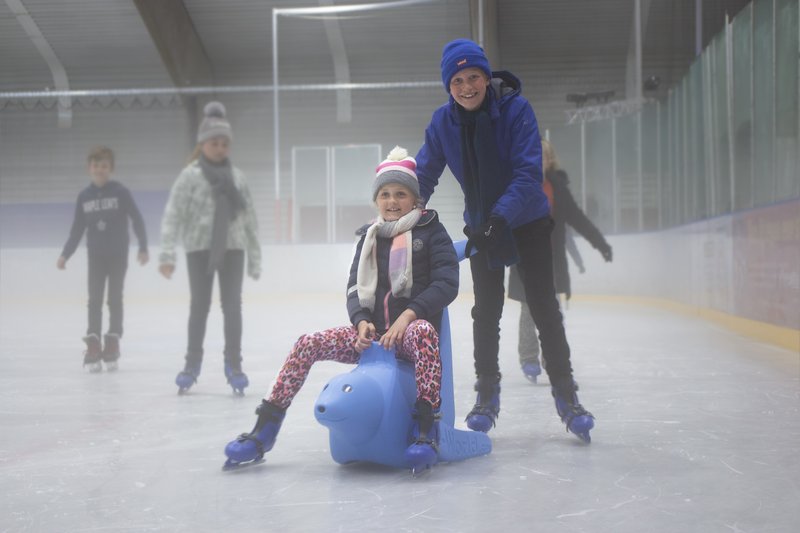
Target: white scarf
{"points": [[400, 272]]}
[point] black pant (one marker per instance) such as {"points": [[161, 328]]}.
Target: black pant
{"points": [[113, 269], [231, 275], [536, 272]]}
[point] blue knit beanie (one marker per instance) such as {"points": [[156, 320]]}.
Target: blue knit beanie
{"points": [[460, 54]]}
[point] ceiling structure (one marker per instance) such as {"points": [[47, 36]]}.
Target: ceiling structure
{"points": [[556, 48]]}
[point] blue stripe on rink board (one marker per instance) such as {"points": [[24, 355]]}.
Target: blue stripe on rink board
{"points": [[43, 225]]}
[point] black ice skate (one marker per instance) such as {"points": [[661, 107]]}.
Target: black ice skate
{"points": [[91, 357], [111, 353]]}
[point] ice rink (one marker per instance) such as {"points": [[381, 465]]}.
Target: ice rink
{"points": [[697, 428]]}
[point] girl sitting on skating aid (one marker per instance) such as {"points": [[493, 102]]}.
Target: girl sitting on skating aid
{"points": [[404, 273]]}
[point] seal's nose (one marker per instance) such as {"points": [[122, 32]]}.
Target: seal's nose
{"points": [[321, 408]]}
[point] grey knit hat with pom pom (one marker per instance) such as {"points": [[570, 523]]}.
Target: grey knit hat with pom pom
{"points": [[214, 123]]}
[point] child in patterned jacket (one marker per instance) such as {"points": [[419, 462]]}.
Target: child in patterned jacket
{"points": [[210, 206], [404, 273]]}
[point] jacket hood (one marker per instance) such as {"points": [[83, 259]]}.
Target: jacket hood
{"points": [[505, 85]]}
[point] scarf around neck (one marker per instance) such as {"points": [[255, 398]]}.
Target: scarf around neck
{"points": [[228, 202], [401, 275], [482, 184]]}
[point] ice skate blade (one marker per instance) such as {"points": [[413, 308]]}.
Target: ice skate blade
{"points": [[581, 426], [585, 437], [421, 470], [112, 366], [531, 372], [94, 368], [232, 466], [238, 383]]}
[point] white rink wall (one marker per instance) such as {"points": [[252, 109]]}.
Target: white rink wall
{"points": [[745, 265]]}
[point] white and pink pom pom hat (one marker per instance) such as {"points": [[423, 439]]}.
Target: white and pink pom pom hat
{"points": [[398, 167]]}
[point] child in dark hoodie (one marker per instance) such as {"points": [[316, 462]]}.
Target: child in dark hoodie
{"points": [[102, 211]]}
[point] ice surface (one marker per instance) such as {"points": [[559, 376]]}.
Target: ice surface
{"points": [[697, 428]]}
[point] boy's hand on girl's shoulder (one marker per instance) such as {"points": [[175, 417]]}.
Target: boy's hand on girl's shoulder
{"points": [[166, 270], [61, 263], [143, 258]]}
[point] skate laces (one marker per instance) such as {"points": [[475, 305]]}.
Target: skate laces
{"points": [[569, 408], [488, 390], [267, 413], [250, 437], [426, 428]]}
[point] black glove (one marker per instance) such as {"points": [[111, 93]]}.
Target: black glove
{"points": [[487, 236], [605, 251]]}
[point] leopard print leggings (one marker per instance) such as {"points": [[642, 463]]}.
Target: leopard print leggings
{"points": [[420, 345]]}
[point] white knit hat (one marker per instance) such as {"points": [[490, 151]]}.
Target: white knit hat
{"points": [[398, 167], [214, 123]]}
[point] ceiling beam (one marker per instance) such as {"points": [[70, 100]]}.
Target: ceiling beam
{"points": [[180, 48], [57, 70]]}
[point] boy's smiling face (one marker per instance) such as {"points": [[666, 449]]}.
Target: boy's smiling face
{"points": [[394, 201], [468, 87], [100, 171]]}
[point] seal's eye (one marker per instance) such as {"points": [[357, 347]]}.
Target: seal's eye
{"points": [[347, 388]]}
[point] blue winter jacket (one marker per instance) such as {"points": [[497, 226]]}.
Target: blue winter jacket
{"points": [[519, 147]]}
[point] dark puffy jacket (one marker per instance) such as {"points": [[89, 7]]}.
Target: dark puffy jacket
{"points": [[565, 211], [518, 145], [435, 272]]}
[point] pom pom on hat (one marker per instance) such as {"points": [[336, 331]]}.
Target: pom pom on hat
{"points": [[214, 124], [398, 167], [460, 54], [214, 109]]}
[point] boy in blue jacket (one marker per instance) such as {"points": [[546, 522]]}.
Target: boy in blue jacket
{"points": [[102, 211], [488, 136]]}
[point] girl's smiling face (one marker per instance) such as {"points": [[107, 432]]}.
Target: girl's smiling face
{"points": [[394, 201]]}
